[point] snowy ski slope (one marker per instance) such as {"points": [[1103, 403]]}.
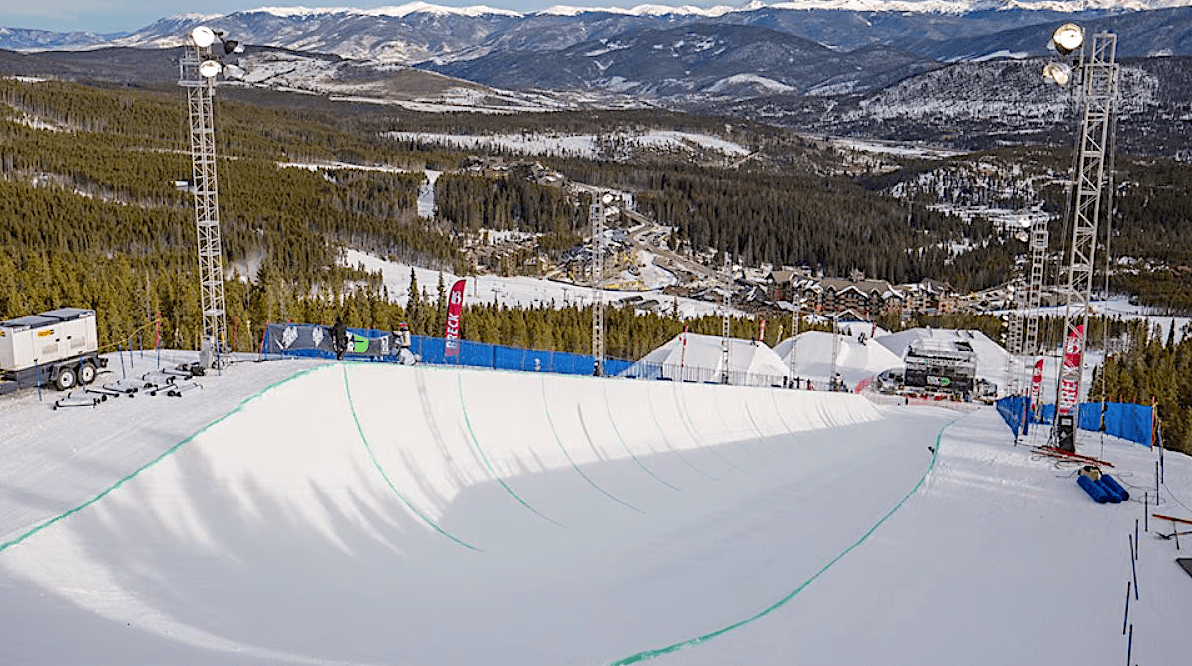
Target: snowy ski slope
{"points": [[305, 512]]}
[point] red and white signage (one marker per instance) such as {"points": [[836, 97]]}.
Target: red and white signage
{"points": [[1073, 353], [1037, 381], [455, 308]]}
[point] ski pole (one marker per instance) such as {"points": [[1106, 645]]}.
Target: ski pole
{"points": [[1127, 615], [1137, 543], [1129, 645], [1134, 572], [1146, 501], [123, 373]]}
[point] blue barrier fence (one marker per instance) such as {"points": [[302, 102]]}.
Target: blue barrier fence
{"points": [[485, 355], [473, 354], [1119, 419], [1014, 411]]}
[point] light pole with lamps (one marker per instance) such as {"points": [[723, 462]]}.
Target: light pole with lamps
{"points": [[1099, 92], [198, 69]]}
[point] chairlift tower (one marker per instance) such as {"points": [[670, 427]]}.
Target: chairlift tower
{"points": [[198, 71], [596, 214], [1099, 81]]}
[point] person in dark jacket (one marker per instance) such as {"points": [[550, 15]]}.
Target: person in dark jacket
{"points": [[339, 338]]}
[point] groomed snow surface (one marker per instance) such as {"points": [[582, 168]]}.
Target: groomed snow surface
{"points": [[307, 512]]}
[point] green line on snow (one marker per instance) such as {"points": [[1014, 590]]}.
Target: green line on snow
{"points": [[691, 642], [476, 441], [21, 538], [559, 441], [388, 481], [612, 421]]}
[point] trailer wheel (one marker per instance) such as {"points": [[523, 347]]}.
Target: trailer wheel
{"points": [[87, 373], [65, 379]]}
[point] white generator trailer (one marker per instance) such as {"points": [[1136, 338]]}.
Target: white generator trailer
{"points": [[58, 348]]}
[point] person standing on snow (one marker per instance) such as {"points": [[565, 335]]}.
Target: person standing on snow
{"points": [[339, 338]]}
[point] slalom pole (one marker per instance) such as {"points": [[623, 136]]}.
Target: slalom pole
{"points": [[123, 374], [1126, 617], [1134, 573], [1129, 645]]}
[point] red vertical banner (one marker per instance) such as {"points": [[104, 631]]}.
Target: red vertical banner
{"points": [[683, 354], [1073, 353], [1037, 381], [455, 308], [761, 336]]}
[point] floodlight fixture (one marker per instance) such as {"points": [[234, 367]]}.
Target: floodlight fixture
{"points": [[1057, 72], [210, 69], [202, 36], [607, 199], [1068, 38]]}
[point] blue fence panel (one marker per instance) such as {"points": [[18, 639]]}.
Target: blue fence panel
{"points": [[1132, 422], [430, 350], [575, 364], [1125, 420], [508, 358], [534, 360], [1013, 410], [1089, 417], [615, 366], [476, 354]]}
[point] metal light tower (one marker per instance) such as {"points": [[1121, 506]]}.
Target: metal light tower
{"points": [[1014, 336], [725, 327], [596, 213], [1099, 96], [1034, 289], [835, 352], [795, 326], [198, 70]]}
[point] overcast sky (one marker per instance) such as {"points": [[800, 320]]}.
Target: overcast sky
{"points": [[104, 16]]}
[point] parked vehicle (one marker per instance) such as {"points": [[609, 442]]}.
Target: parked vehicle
{"points": [[58, 348]]}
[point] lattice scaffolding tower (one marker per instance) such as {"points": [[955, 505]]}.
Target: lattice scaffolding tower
{"points": [[1100, 95], [596, 214], [198, 77], [726, 322], [1034, 289]]}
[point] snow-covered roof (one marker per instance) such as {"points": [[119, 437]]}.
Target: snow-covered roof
{"points": [[855, 361], [698, 357]]}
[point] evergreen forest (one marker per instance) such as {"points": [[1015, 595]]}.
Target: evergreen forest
{"points": [[95, 212]]}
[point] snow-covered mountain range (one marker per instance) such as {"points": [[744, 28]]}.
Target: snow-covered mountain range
{"points": [[418, 32], [847, 67]]}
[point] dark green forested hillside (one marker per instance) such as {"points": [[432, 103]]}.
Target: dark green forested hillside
{"points": [[1153, 369]]}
